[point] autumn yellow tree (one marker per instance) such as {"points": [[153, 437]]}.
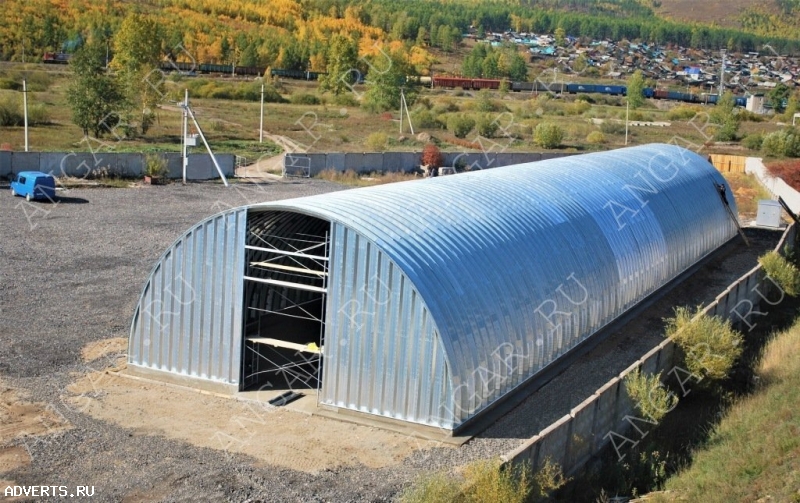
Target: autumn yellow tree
{"points": [[137, 53]]}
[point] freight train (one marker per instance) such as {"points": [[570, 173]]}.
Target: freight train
{"points": [[440, 81], [62, 58], [449, 82]]}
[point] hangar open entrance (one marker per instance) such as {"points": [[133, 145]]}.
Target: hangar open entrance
{"points": [[285, 287]]}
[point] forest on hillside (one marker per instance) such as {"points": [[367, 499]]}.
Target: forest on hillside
{"points": [[296, 34]]}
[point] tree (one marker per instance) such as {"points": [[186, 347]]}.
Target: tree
{"points": [[778, 97], [342, 58], [635, 91], [561, 36], [94, 97], [384, 81], [431, 156], [422, 36], [518, 68], [725, 117], [137, 53]]}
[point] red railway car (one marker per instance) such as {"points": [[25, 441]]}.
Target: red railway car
{"points": [[485, 84], [446, 81]]}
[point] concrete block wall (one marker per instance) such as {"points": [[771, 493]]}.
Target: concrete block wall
{"points": [[576, 437], [83, 164], [366, 162]]}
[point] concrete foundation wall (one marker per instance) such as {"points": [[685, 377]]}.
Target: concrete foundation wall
{"points": [[575, 438], [366, 162], [89, 165]]}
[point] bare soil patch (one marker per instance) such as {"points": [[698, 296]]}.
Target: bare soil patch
{"points": [[104, 348], [275, 436], [20, 418]]}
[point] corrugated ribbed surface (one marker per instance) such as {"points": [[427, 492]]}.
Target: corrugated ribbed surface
{"points": [[382, 353], [517, 265], [445, 294], [189, 316]]}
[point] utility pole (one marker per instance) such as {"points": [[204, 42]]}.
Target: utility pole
{"points": [[722, 74], [25, 108], [627, 106], [185, 133], [261, 122]]}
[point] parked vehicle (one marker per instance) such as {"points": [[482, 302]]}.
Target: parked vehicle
{"points": [[34, 185]]}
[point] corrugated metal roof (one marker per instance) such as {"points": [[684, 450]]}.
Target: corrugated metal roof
{"points": [[517, 265]]}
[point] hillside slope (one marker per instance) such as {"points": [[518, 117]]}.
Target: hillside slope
{"points": [[718, 12]]}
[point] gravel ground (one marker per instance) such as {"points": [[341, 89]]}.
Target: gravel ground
{"points": [[71, 274]]}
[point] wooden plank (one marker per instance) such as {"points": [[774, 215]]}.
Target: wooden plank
{"points": [[308, 348]]}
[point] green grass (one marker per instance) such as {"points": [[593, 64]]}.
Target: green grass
{"points": [[753, 453]]}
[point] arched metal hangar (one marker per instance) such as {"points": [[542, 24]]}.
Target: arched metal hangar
{"points": [[426, 301]]}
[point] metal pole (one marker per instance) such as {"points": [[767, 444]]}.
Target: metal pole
{"points": [[25, 107], [627, 103], [408, 115], [208, 148], [261, 122], [401, 110], [184, 134]]}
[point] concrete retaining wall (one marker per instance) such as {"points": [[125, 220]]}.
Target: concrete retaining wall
{"points": [[573, 439], [88, 165], [313, 164]]}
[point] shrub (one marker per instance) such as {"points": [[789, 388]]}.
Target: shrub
{"points": [[548, 135], [577, 108], [650, 397], [748, 116], [155, 165], [782, 143], [782, 272], [709, 344], [376, 141], [609, 127], [484, 102], [10, 113], [460, 125], [445, 107], [11, 85], [485, 481], [682, 112], [753, 141], [727, 131], [431, 156], [38, 114], [425, 119], [345, 100], [304, 99], [437, 487], [487, 126], [595, 138]]}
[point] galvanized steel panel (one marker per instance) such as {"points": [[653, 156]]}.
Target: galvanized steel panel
{"points": [[509, 267], [382, 353], [189, 317], [445, 294]]}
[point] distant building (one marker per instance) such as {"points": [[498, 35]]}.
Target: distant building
{"points": [[755, 104]]}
